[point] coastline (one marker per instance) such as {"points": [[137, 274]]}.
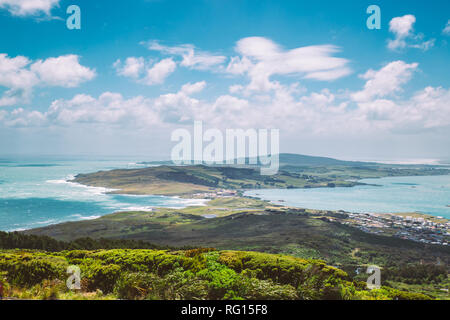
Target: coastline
{"points": [[194, 197], [432, 230], [280, 197]]}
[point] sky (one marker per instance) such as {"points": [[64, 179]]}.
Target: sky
{"points": [[137, 70]]}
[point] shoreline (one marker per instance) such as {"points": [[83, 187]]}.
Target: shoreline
{"points": [[71, 179], [284, 201]]}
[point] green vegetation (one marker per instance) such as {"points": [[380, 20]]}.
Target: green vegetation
{"points": [[295, 171], [188, 180], [285, 248], [304, 234], [13, 240], [181, 274], [295, 232]]}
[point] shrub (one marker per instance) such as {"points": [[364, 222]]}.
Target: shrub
{"points": [[135, 286], [103, 277], [27, 270]]}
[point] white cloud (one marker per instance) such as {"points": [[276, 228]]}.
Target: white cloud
{"points": [[426, 110], [191, 57], [191, 88], [159, 71], [20, 75], [144, 72], [261, 58], [447, 28], [236, 88], [23, 118], [132, 68], [112, 109], [238, 65], [29, 7], [386, 81], [109, 109], [63, 71], [310, 117], [14, 72], [402, 28]]}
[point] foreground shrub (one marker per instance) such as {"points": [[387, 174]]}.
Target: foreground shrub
{"points": [[135, 286], [26, 269], [103, 277]]}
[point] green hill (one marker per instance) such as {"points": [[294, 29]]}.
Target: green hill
{"points": [[183, 274]]}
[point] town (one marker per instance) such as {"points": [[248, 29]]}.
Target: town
{"points": [[416, 227], [411, 226]]}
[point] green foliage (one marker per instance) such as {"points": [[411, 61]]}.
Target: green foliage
{"points": [[416, 273], [103, 277], [28, 269], [16, 240], [314, 276], [162, 274], [220, 278], [134, 286]]}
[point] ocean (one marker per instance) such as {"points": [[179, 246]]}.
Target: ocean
{"points": [[423, 194], [36, 192]]}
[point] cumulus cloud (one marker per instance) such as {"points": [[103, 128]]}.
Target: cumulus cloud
{"points": [[402, 28], [262, 58], [20, 75], [145, 72], [321, 115], [64, 71], [191, 57], [132, 67], [159, 71], [191, 88], [111, 109], [426, 110], [15, 75], [28, 7], [386, 81]]}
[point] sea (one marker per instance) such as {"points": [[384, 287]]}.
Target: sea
{"points": [[36, 192], [421, 194]]}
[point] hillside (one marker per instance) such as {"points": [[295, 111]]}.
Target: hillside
{"points": [[191, 275], [247, 224], [188, 180]]}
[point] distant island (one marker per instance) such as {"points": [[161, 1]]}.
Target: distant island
{"points": [[296, 171]]}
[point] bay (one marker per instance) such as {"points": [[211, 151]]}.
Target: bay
{"points": [[424, 194]]}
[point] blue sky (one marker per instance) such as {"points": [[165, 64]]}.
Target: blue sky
{"points": [[139, 69]]}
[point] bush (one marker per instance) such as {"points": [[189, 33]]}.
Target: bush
{"points": [[134, 286], [27, 270], [103, 277]]}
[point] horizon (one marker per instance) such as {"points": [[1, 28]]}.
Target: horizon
{"points": [[143, 157]]}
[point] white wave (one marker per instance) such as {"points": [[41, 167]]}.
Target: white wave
{"points": [[56, 181], [139, 208], [94, 190], [89, 217]]}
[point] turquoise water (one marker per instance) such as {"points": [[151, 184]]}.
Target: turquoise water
{"points": [[427, 194], [35, 193]]}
